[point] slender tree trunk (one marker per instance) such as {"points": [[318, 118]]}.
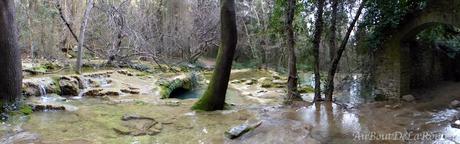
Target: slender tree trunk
{"points": [[214, 97], [332, 40], [335, 62], [10, 57], [292, 78], [316, 44], [333, 37], [82, 36]]}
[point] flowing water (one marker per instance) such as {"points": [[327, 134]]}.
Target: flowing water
{"points": [[349, 121]]}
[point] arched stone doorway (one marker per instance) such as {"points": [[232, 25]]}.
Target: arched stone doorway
{"points": [[392, 73]]}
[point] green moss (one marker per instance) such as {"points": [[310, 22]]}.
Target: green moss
{"points": [[56, 85], [25, 109], [140, 102], [40, 68], [307, 89], [143, 74], [164, 92], [267, 84]]}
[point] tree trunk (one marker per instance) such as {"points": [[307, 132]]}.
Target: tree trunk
{"points": [[214, 97], [82, 36], [10, 59], [332, 40], [335, 62], [292, 78], [316, 44]]}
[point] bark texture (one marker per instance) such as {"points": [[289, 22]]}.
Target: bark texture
{"points": [[316, 44], [214, 97], [292, 78], [333, 32], [82, 36], [10, 57], [335, 62]]}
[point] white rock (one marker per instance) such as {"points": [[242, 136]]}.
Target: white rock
{"points": [[408, 98], [455, 103]]}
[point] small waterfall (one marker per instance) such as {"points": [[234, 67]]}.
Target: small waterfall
{"points": [[103, 81], [86, 86], [41, 87], [85, 83]]}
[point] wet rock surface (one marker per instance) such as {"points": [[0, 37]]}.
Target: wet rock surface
{"points": [[136, 125], [69, 86], [96, 117], [239, 130], [101, 92]]}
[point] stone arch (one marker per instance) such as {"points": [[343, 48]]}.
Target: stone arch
{"points": [[391, 62]]}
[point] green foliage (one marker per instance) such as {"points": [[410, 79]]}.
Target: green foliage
{"points": [[245, 64], [444, 35], [307, 89], [25, 109], [382, 16]]}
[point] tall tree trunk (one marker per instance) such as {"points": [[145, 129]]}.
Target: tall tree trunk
{"points": [[316, 44], [82, 36], [292, 78], [214, 97], [333, 37], [335, 62], [332, 40], [10, 57]]}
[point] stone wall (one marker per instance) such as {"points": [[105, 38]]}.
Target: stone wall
{"points": [[392, 72]]}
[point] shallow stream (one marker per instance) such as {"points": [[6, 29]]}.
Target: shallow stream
{"points": [[349, 121]]}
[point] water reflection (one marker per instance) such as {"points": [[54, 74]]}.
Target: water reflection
{"points": [[329, 121]]}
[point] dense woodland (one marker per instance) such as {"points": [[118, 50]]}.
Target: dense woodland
{"points": [[335, 41]]}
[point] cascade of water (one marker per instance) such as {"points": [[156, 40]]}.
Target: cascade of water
{"points": [[43, 95], [85, 83], [103, 81], [86, 86], [42, 89]]}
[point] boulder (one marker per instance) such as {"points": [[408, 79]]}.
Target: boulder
{"points": [[408, 98], [81, 82], [93, 92], [455, 103], [130, 91], [379, 95], [30, 89], [101, 92], [239, 130], [456, 124], [40, 86], [44, 107], [69, 86]]}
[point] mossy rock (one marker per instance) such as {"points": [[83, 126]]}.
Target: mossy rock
{"points": [[267, 84], [166, 87]]}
